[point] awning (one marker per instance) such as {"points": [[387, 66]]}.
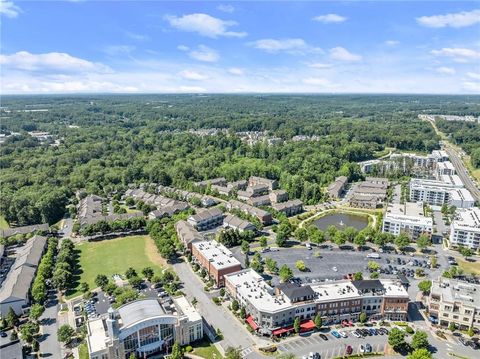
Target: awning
{"points": [[282, 331], [251, 322], [307, 326]]}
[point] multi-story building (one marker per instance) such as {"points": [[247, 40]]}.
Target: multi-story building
{"points": [[453, 301], [370, 193], [445, 168], [407, 218], [278, 195], [216, 259], [238, 185], [143, 328], [187, 234], [263, 216], [258, 189], [363, 201], [221, 181], [336, 188], [206, 219], [272, 184], [437, 192], [260, 201], [234, 222], [461, 198], [273, 311], [465, 228], [290, 208], [15, 289], [224, 190], [439, 156]]}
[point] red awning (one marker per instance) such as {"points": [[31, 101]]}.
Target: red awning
{"points": [[307, 326], [282, 331], [252, 323]]}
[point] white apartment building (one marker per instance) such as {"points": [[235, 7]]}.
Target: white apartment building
{"points": [[407, 218], [453, 301], [465, 228], [448, 189], [445, 168]]}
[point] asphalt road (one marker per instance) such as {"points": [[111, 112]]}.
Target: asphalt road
{"points": [[462, 172], [49, 346]]}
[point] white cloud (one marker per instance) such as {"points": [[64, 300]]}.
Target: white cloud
{"points": [[342, 54], [473, 75], [183, 48], [137, 37], [292, 46], [52, 61], [392, 42], [445, 70], [192, 75], [204, 53], [319, 65], [226, 8], [456, 20], [236, 71], [472, 86], [458, 54], [330, 18], [115, 50], [316, 81], [9, 9], [204, 25]]}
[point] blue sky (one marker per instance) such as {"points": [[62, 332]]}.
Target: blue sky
{"points": [[153, 46]]}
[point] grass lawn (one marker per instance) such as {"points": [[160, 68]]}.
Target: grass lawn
{"points": [[206, 349], [114, 256], [83, 351], [3, 223], [469, 267]]}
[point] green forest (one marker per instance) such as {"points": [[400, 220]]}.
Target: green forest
{"points": [[106, 142]]}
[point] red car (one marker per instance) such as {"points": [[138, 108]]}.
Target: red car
{"points": [[349, 350]]}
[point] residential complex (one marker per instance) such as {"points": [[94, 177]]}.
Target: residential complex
{"points": [[143, 327], [289, 208], [278, 195], [273, 311], [206, 219], [234, 222], [407, 218], [453, 301], [336, 189], [465, 228], [370, 193], [263, 216], [216, 259], [8, 232], [187, 234], [271, 184], [15, 290]]}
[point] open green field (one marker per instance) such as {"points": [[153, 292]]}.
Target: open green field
{"points": [[3, 223], [206, 349], [469, 267], [115, 256]]}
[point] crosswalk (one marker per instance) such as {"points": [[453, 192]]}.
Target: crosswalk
{"points": [[245, 352]]}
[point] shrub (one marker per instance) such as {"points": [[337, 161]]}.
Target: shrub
{"points": [[409, 330], [188, 349]]}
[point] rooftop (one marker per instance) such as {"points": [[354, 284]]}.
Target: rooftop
{"points": [[139, 310], [97, 340], [467, 219], [409, 212], [237, 222], [452, 290], [206, 214], [217, 254], [185, 308], [288, 204]]}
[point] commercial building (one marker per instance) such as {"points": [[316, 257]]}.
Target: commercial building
{"points": [[143, 328], [272, 184], [206, 219], [234, 222], [290, 208], [407, 218], [336, 189], [272, 311], [15, 289], [465, 228], [453, 301], [278, 195], [216, 259], [263, 216], [187, 234]]}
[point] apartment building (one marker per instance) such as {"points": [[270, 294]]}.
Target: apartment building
{"points": [[272, 311], [461, 198], [336, 189], [278, 195], [220, 181], [260, 201], [448, 189], [206, 219], [370, 193], [465, 228], [224, 190], [407, 218], [238, 185], [258, 189], [234, 222], [445, 168], [290, 208], [216, 259], [453, 301], [263, 216], [187, 234], [272, 184]]}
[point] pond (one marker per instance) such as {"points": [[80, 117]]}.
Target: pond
{"points": [[341, 221]]}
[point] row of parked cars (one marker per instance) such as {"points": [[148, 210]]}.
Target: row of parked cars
{"points": [[357, 333]]}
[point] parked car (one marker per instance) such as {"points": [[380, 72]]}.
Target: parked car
{"points": [[323, 336], [343, 334], [462, 341], [349, 350], [356, 334], [336, 334], [368, 348], [313, 355], [362, 348]]}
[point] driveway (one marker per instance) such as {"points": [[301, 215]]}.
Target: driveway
{"points": [[49, 346]]}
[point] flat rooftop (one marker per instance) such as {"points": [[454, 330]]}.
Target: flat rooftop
{"points": [[467, 219], [217, 254], [251, 286], [452, 290], [98, 336], [409, 212], [447, 165], [185, 308]]}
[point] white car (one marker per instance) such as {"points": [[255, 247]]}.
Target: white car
{"points": [[362, 349], [343, 334], [356, 335], [335, 269]]}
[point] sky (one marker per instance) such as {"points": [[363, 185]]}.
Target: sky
{"points": [[85, 46]]}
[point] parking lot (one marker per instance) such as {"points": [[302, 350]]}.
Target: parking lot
{"points": [[331, 348], [344, 261]]}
